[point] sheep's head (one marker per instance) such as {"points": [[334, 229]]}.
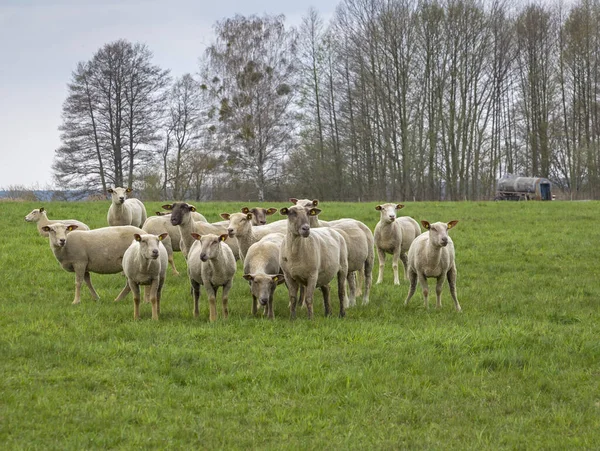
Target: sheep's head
{"points": [[35, 215], [387, 212], [299, 219], [262, 286], [260, 214], [180, 212], [210, 245], [438, 232], [119, 195], [58, 233], [239, 223], [304, 202], [150, 244]]}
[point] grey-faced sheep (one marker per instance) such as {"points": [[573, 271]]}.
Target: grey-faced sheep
{"points": [[82, 252], [211, 263], [240, 227], [198, 217], [145, 263], [394, 235], [432, 255], [40, 217], [181, 217], [124, 211], [261, 270], [259, 214], [312, 258]]}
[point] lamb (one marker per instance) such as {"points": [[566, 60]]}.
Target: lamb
{"points": [[211, 263], [261, 270], [240, 227], [312, 258], [145, 263], [394, 236], [40, 217], [432, 255], [82, 252], [259, 214], [181, 216], [125, 211]]}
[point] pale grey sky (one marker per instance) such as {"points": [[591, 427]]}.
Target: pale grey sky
{"points": [[41, 42]]}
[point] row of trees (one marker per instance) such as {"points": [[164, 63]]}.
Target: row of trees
{"points": [[392, 99]]}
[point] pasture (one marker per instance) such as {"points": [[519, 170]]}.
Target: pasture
{"points": [[518, 369]]}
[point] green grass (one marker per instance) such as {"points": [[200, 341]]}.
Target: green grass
{"points": [[518, 369]]}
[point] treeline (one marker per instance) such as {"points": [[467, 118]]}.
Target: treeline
{"points": [[400, 99]]}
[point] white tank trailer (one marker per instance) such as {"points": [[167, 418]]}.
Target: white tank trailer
{"points": [[524, 188]]}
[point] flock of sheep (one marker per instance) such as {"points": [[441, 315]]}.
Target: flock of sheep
{"points": [[301, 251]]}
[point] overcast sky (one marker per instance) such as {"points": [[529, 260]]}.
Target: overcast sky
{"points": [[41, 42]]}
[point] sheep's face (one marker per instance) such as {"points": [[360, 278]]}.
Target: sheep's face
{"points": [[387, 212], [119, 195], [299, 219], [180, 212], [149, 244], [259, 214], [262, 286], [57, 233], [210, 245], [438, 232], [239, 223], [35, 215]]}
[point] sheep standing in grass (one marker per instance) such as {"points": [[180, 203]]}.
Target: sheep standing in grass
{"points": [[394, 236], [259, 214], [261, 270], [40, 217], [211, 263], [124, 211], [145, 263], [432, 255], [240, 226], [312, 258], [82, 252]]}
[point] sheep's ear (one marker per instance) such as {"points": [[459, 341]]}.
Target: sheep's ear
{"points": [[284, 211], [248, 277], [315, 202], [110, 190], [196, 236], [41, 209], [128, 190], [245, 210], [425, 224], [137, 237], [378, 208], [192, 208], [162, 236], [293, 200], [314, 211], [167, 207], [452, 224], [223, 237], [271, 211], [46, 229], [72, 227], [399, 206], [249, 216], [225, 216], [279, 278]]}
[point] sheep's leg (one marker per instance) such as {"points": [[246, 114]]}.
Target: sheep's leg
{"points": [[309, 294], [395, 259], [341, 280], [412, 277], [196, 293], [151, 291], [161, 283], [212, 301], [351, 289], [301, 296], [225, 298], [438, 291], [124, 292], [452, 283], [172, 263], [79, 276], [368, 280], [88, 282], [425, 288], [293, 293], [381, 259], [254, 305], [135, 289], [270, 313], [404, 258], [326, 299]]}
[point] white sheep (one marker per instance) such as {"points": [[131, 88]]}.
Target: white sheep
{"points": [[40, 217], [124, 211], [312, 258], [259, 214], [82, 252], [181, 216], [314, 220], [145, 263], [432, 255], [262, 271], [240, 226], [394, 236], [157, 225], [211, 263]]}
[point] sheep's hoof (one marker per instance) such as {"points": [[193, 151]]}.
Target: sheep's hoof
{"points": [[76, 301]]}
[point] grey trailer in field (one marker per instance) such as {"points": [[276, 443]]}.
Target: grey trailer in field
{"points": [[524, 188]]}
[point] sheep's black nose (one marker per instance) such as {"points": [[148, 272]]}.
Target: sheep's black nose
{"points": [[154, 251], [203, 257], [263, 222], [393, 217], [263, 301], [62, 241], [444, 241]]}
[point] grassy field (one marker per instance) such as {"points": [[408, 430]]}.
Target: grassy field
{"points": [[518, 369]]}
